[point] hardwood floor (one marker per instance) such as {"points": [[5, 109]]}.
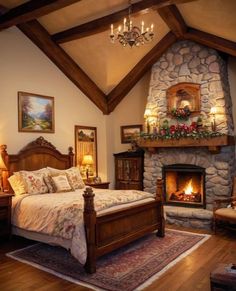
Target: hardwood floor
{"points": [[191, 273]]}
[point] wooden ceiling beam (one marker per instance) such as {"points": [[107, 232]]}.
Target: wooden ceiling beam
{"points": [[103, 23], [212, 41], [128, 82], [31, 10], [174, 20], [40, 37]]}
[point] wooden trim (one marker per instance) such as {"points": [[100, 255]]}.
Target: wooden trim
{"points": [[127, 83], [211, 40], [213, 143], [39, 36], [174, 20], [31, 10], [102, 24]]}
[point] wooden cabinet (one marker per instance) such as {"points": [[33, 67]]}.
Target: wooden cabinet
{"points": [[5, 214], [102, 185], [129, 170]]}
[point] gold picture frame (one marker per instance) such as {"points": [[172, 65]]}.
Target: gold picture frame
{"points": [[130, 132], [86, 144], [35, 113]]}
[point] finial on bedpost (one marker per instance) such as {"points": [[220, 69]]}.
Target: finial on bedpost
{"points": [[90, 227], [88, 199], [71, 156]]}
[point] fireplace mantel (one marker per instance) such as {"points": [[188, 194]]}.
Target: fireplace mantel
{"points": [[213, 144]]}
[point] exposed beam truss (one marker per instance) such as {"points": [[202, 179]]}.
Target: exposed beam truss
{"points": [[103, 23], [31, 10], [39, 36]]}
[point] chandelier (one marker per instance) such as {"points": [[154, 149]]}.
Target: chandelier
{"points": [[131, 35]]}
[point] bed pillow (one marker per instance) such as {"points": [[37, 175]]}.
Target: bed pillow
{"points": [[17, 184], [48, 182], [73, 175], [60, 183], [34, 182]]}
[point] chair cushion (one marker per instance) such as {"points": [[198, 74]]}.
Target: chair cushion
{"points": [[226, 214]]}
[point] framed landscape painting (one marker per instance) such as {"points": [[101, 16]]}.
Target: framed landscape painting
{"points": [[35, 113], [86, 148], [130, 132]]}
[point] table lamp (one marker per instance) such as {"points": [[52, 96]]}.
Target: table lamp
{"points": [[2, 168], [87, 161]]}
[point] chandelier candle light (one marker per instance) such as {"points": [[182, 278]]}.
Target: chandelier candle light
{"points": [[131, 35]]}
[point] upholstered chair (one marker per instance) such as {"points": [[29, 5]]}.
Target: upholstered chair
{"points": [[225, 209]]}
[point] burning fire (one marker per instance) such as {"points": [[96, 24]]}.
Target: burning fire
{"points": [[189, 188]]}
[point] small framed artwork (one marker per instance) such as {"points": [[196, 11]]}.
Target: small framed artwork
{"points": [[130, 132], [35, 113], [86, 150]]}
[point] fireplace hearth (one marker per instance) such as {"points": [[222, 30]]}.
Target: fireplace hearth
{"points": [[184, 185]]}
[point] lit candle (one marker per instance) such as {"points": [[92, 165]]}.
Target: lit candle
{"points": [[152, 27], [124, 29], [147, 29], [119, 28], [142, 27], [112, 32]]}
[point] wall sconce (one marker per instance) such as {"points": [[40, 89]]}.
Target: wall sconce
{"points": [[87, 162], [213, 123], [151, 120], [2, 168]]}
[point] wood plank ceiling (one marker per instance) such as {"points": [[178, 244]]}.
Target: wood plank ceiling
{"points": [[26, 17]]}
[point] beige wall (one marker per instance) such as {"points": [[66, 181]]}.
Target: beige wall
{"points": [[23, 67]]}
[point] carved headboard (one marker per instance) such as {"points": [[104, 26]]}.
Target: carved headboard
{"points": [[36, 155]]}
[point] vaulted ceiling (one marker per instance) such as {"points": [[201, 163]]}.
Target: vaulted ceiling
{"points": [[75, 36]]}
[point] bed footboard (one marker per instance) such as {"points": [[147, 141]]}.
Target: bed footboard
{"points": [[105, 233]]}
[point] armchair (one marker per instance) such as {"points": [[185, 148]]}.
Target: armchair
{"points": [[226, 214]]}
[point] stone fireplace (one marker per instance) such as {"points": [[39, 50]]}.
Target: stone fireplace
{"points": [[190, 63]]}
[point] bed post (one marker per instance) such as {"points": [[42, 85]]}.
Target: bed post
{"points": [[159, 197], [71, 156], [90, 223], [5, 174]]}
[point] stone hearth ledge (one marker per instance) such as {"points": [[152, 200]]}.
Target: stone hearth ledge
{"points": [[189, 217]]}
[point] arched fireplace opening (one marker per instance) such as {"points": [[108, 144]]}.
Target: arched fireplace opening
{"points": [[184, 185]]}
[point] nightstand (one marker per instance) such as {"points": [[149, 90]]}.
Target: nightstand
{"points": [[5, 214], [102, 185]]}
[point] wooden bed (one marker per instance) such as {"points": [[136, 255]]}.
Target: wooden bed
{"points": [[106, 232]]}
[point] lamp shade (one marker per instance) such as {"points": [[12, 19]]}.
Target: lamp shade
{"points": [[87, 160], [2, 164]]}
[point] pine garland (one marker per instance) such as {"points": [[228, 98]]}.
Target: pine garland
{"points": [[180, 131]]}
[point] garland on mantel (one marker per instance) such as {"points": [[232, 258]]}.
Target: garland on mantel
{"points": [[180, 131]]}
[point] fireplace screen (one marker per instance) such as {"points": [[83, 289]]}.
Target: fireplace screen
{"points": [[184, 185]]}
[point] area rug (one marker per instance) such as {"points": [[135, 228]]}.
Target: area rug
{"points": [[132, 267]]}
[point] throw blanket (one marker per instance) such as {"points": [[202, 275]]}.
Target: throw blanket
{"points": [[61, 214]]}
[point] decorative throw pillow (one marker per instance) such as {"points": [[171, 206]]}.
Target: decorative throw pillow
{"points": [[75, 178], [34, 182], [61, 183], [17, 184], [73, 175], [48, 181]]}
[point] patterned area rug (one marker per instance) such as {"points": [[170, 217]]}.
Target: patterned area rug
{"points": [[130, 268]]}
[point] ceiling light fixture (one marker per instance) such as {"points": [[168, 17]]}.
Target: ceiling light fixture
{"points": [[131, 35]]}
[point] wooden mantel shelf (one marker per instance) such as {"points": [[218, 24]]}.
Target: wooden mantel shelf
{"points": [[214, 143]]}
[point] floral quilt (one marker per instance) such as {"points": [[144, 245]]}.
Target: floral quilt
{"points": [[61, 214]]}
